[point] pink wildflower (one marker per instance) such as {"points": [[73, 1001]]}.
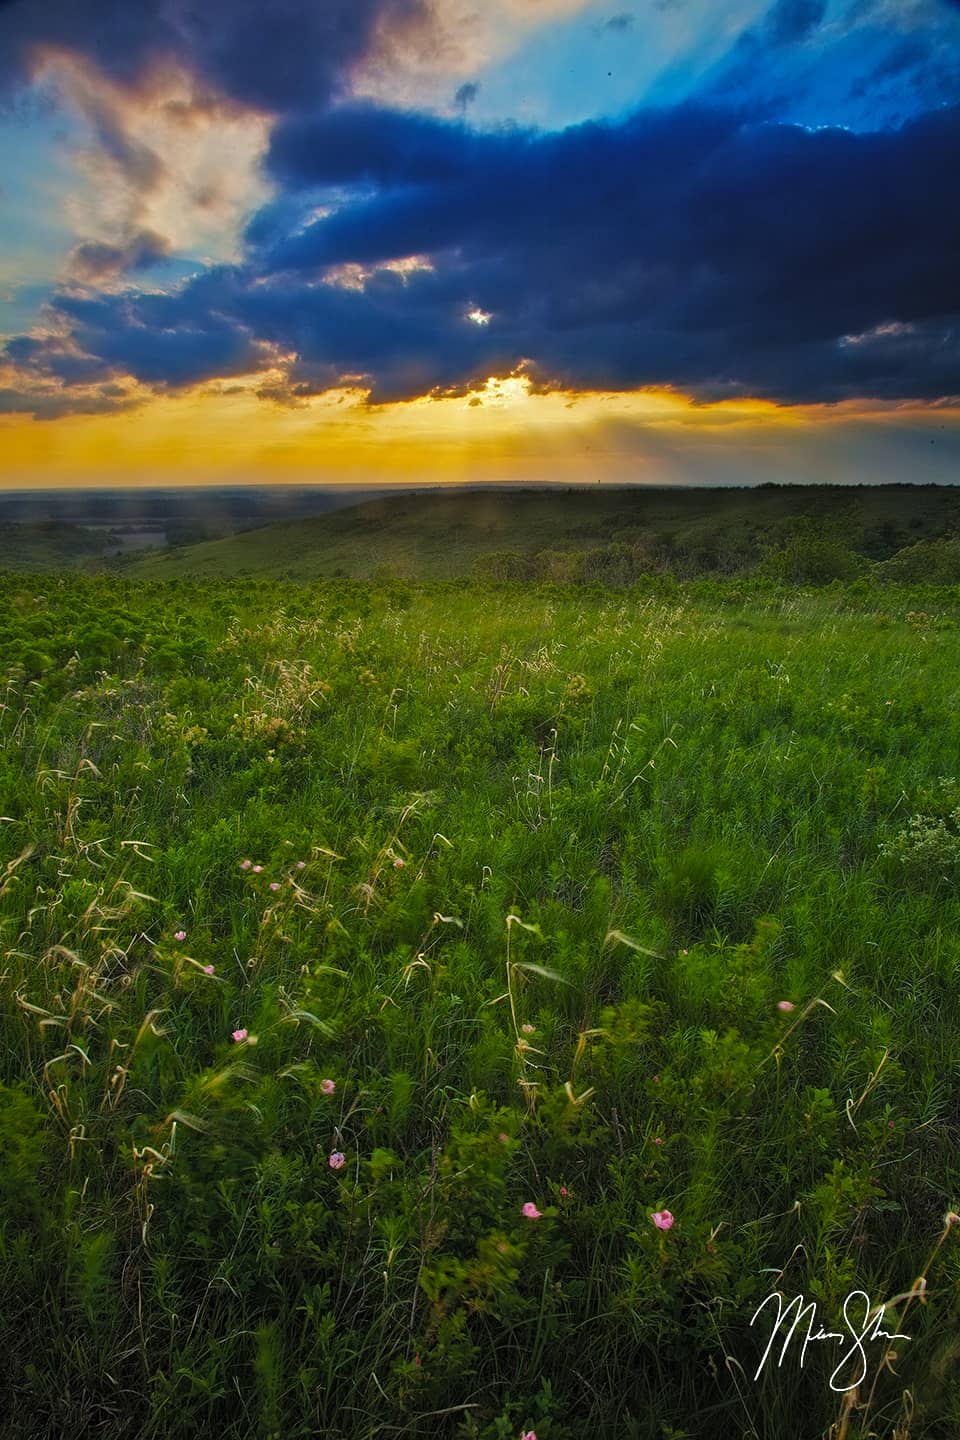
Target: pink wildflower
{"points": [[417, 1360], [208, 969], [658, 1141], [656, 1079], [245, 864], [684, 952], [528, 1029], [529, 1435], [258, 869], [328, 1086], [398, 864], [301, 864], [786, 1006], [274, 884], [662, 1219], [531, 1211], [889, 1124], [337, 1160], [564, 1190], [180, 935], [503, 1137], [240, 1035]]}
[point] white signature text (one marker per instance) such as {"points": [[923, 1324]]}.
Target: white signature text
{"points": [[860, 1331]]}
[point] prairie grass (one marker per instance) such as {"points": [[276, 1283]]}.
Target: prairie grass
{"points": [[501, 889]]}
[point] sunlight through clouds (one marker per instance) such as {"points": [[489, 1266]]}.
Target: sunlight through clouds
{"points": [[313, 238]]}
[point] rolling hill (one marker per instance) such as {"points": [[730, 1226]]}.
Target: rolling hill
{"points": [[48, 546], [444, 535]]}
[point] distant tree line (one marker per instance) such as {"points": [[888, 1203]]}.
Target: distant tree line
{"points": [[806, 551]]}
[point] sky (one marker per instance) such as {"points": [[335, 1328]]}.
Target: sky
{"points": [[519, 241]]}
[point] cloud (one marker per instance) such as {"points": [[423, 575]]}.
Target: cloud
{"points": [[909, 53], [152, 161], [783, 27], [166, 90], [362, 145], [788, 22], [95, 260], [617, 24], [270, 57], [466, 95], [864, 63], [691, 247], [273, 58], [54, 404], [54, 358], [417, 52], [152, 337], [768, 64]]}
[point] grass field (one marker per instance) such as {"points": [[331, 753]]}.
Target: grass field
{"points": [[447, 535], [379, 960], [42, 547]]}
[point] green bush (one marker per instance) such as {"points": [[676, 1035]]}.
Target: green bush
{"points": [[928, 846]]}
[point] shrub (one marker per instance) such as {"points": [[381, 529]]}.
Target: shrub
{"points": [[929, 843], [929, 562]]}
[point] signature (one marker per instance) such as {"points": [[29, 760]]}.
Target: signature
{"points": [[860, 1332]]}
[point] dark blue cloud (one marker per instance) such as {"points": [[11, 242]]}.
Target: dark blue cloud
{"points": [[161, 340], [868, 64], [175, 358], [359, 145], [790, 21], [51, 359], [274, 57], [710, 245], [587, 189], [690, 247]]}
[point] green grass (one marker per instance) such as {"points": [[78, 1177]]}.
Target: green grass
{"points": [[47, 546], [447, 535], [546, 862]]}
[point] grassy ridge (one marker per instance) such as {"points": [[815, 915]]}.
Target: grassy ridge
{"points": [[47, 546], [538, 868], [444, 535]]}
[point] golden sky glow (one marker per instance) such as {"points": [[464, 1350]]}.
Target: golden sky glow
{"points": [[229, 435]]}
